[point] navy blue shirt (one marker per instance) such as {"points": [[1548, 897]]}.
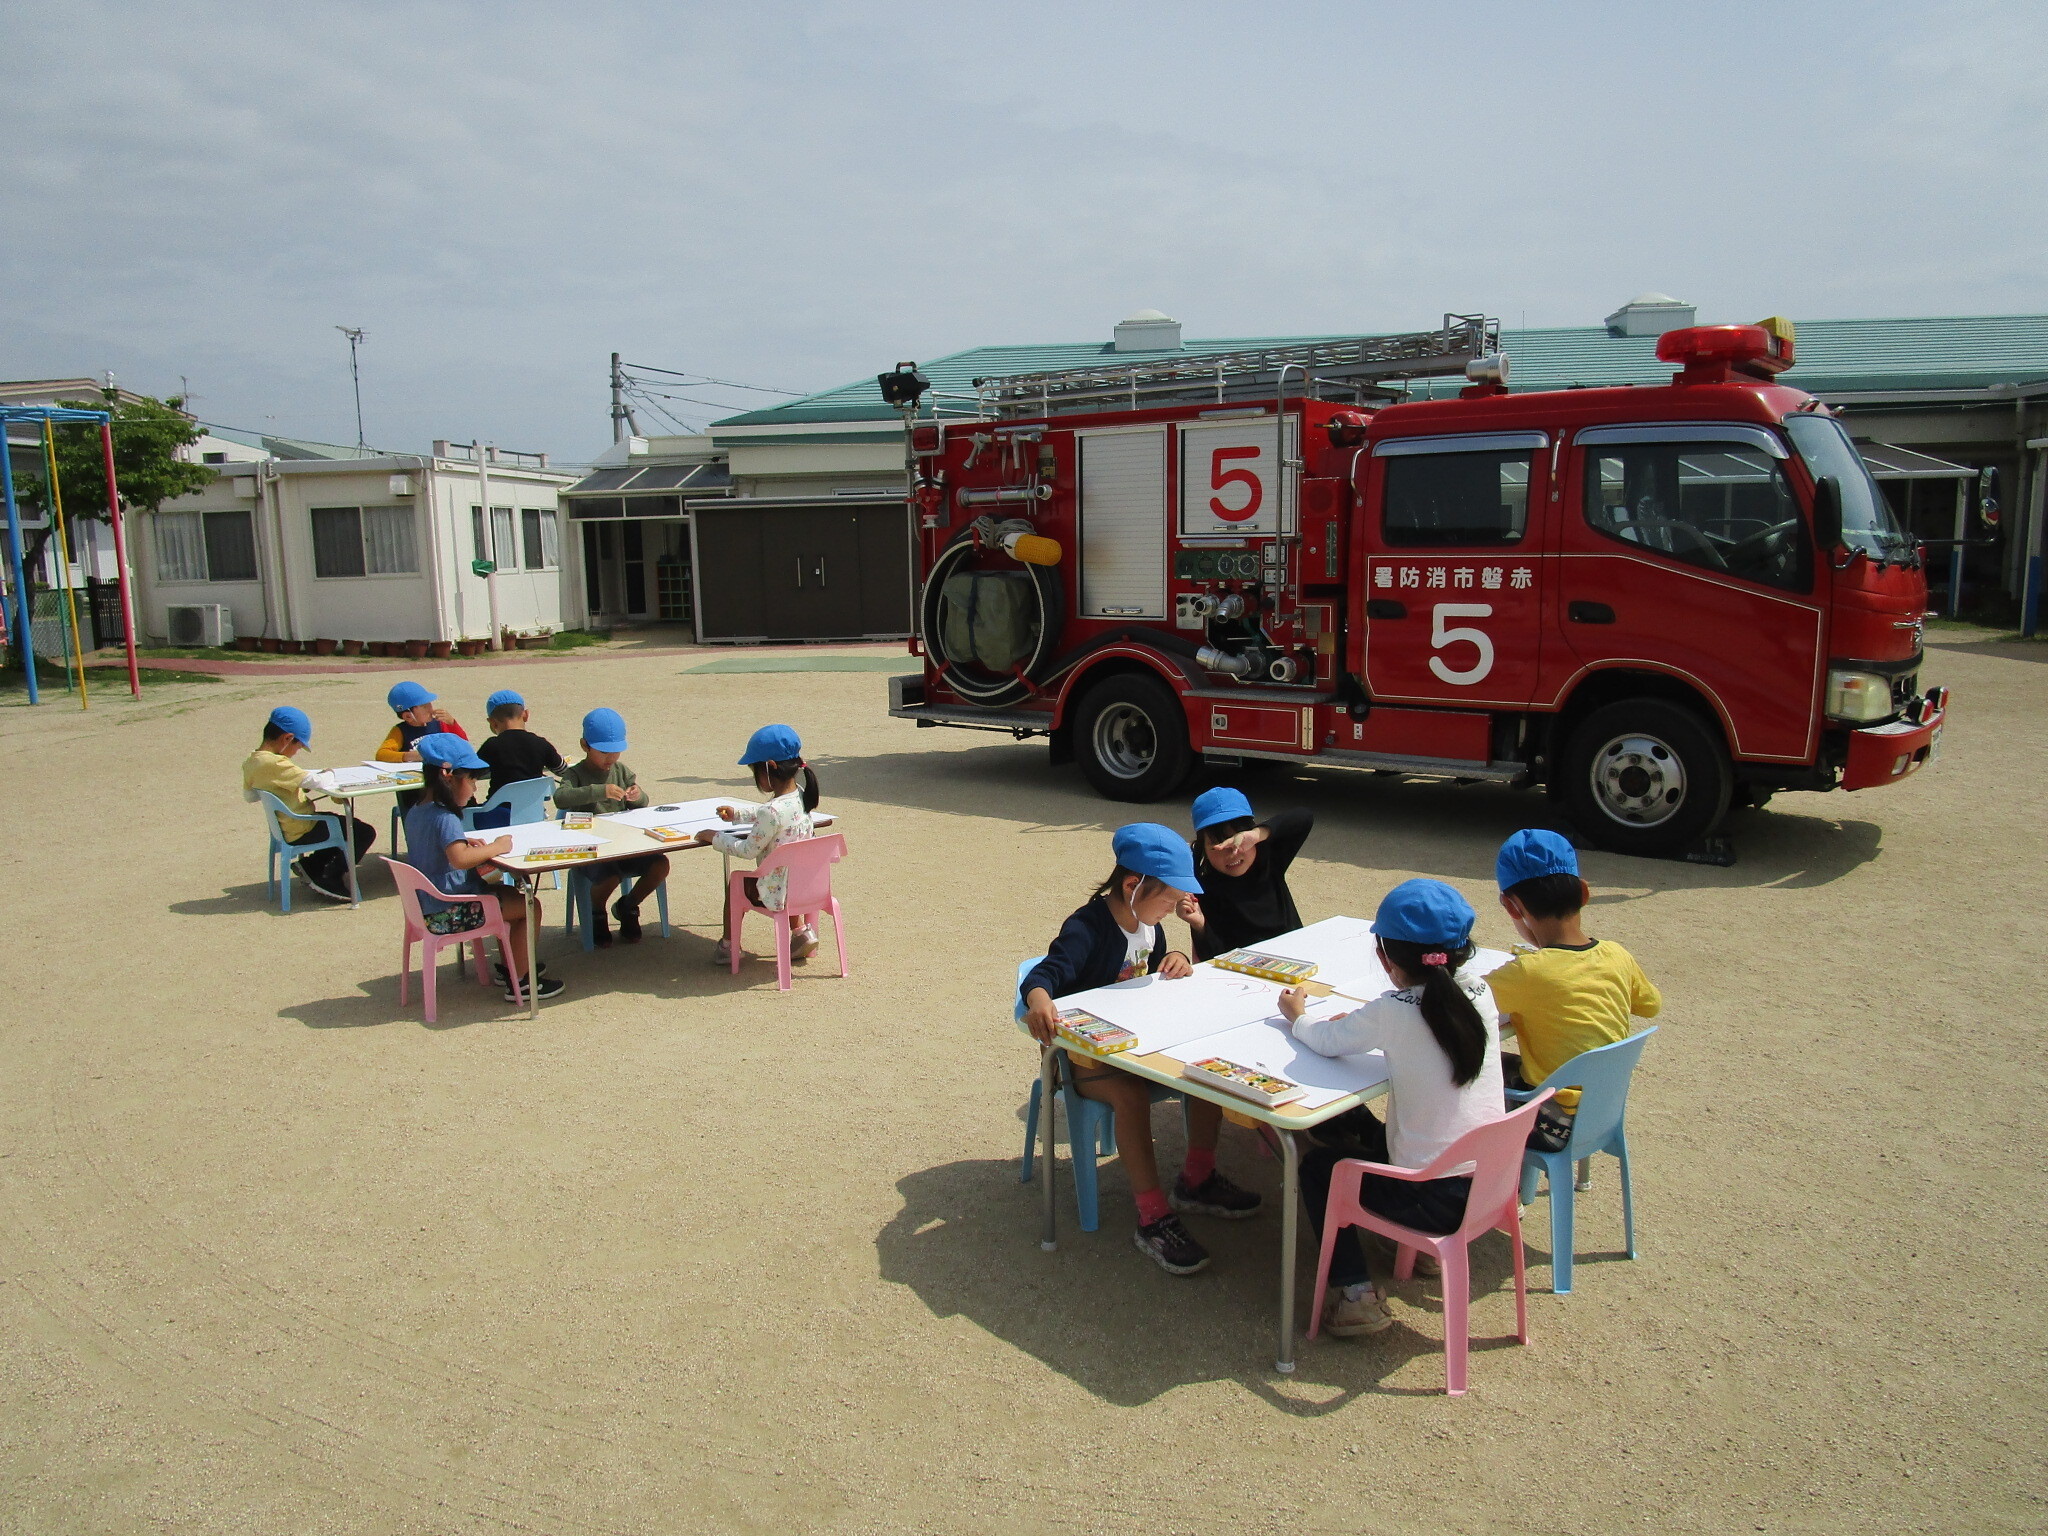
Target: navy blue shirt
{"points": [[429, 829], [1088, 952]]}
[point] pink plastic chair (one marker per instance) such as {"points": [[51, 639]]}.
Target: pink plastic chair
{"points": [[411, 886], [809, 862], [1496, 1150]]}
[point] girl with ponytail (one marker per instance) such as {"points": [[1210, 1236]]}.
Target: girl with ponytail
{"points": [[776, 755], [1441, 1037]]}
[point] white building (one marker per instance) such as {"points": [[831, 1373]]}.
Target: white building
{"points": [[377, 548]]}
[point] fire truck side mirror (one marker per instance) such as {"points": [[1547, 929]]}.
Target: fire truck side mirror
{"points": [[1827, 512]]}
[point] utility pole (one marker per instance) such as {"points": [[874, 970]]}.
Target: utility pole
{"points": [[623, 424], [355, 333], [483, 496]]}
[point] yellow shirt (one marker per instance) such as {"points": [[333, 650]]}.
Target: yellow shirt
{"points": [[282, 777], [1564, 1001]]}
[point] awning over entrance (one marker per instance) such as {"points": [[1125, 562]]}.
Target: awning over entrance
{"points": [[1888, 461], [649, 490]]}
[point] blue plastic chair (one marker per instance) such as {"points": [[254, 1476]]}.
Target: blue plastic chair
{"points": [[277, 866], [513, 806], [1602, 1075], [1091, 1124], [578, 904]]}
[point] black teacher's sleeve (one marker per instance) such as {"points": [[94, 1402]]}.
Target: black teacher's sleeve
{"points": [[1286, 831]]}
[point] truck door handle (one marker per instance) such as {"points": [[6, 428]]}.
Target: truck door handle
{"points": [[1385, 608], [1589, 613]]}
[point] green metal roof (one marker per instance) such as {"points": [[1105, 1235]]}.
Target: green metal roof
{"points": [[1835, 357]]}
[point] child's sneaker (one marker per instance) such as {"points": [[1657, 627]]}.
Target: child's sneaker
{"points": [[629, 920], [505, 980], [722, 955], [1346, 1316], [548, 987], [1167, 1243], [600, 929], [1214, 1196], [322, 888], [803, 943], [1428, 1266]]}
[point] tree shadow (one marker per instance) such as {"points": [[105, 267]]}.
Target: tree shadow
{"points": [[1372, 820], [1098, 1313]]}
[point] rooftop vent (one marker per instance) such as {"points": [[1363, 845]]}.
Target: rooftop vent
{"points": [[1148, 331], [1650, 314]]}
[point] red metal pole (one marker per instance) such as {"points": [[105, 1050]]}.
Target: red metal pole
{"points": [[120, 559]]}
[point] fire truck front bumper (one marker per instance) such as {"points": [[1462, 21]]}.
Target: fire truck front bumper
{"points": [[1885, 754]]}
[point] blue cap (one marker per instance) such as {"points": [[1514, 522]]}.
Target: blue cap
{"points": [[292, 722], [1532, 853], [404, 696], [1160, 852], [1214, 805], [448, 750], [1424, 912], [502, 696], [604, 730], [772, 744]]}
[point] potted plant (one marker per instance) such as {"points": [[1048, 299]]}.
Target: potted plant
{"points": [[323, 647], [248, 643], [471, 647], [539, 640], [351, 647], [272, 644], [439, 649], [416, 649]]}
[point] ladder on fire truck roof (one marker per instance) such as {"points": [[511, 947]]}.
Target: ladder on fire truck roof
{"points": [[1251, 373]]}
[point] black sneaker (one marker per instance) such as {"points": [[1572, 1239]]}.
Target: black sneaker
{"points": [[1167, 1243], [505, 980], [322, 888], [1214, 1196], [600, 930], [548, 987], [629, 921]]}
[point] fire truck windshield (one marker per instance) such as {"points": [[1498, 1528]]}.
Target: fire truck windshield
{"points": [[1867, 521]]}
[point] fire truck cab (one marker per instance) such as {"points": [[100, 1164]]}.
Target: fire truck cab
{"points": [[1654, 601]]}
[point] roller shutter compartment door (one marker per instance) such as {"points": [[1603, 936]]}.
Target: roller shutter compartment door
{"points": [[1123, 524], [728, 572]]}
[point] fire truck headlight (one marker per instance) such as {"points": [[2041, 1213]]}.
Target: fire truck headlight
{"points": [[1859, 697]]}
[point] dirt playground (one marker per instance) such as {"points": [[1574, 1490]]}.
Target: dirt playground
{"points": [[689, 1255]]}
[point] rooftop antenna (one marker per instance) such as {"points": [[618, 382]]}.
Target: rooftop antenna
{"points": [[354, 333]]}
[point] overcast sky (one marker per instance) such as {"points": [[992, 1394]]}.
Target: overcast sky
{"points": [[795, 195]]}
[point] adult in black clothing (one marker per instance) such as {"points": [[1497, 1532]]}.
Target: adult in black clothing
{"points": [[513, 752], [1242, 864]]}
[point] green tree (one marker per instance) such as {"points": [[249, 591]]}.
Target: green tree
{"points": [[147, 436]]}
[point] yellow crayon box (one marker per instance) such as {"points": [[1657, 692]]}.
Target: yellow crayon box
{"points": [[1254, 962]]}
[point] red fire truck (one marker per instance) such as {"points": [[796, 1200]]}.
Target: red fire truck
{"points": [[1655, 602]]}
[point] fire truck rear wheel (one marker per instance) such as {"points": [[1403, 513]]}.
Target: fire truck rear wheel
{"points": [[1647, 777], [1132, 739]]}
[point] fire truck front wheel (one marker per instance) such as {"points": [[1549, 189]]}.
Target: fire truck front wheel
{"points": [[1132, 738], [1645, 776]]}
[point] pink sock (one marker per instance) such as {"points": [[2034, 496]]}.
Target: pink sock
{"points": [[1151, 1206], [1200, 1164]]}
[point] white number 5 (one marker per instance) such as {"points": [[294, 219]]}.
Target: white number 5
{"points": [[1440, 636]]}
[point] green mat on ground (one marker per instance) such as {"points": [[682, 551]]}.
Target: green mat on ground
{"points": [[786, 661]]}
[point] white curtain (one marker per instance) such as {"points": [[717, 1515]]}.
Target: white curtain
{"points": [[504, 545], [390, 547], [180, 547], [550, 542]]}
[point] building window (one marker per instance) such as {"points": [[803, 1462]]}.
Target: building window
{"points": [[364, 541], [213, 458], [537, 530], [205, 546]]}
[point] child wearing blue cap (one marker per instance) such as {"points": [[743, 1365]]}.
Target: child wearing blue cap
{"points": [[513, 752], [417, 717], [1242, 864], [1441, 1039], [437, 846], [286, 734], [603, 783], [1563, 992], [1114, 935], [776, 754]]}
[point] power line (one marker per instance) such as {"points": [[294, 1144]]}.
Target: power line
{"points": [[705, 378]]}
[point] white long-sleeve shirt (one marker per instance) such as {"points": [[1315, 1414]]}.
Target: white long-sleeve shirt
{"points": [[781, 820], [1426, 1111]]}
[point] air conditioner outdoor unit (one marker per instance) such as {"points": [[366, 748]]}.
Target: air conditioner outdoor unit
{"points": [[201, 624]]}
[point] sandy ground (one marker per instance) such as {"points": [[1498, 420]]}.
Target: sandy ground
{"points": [[688, 1255]]}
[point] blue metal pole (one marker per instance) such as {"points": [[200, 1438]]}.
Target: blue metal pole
{"points": [[24, 636]]}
